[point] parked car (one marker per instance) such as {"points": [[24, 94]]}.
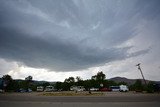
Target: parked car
{"points": [[22, 90], [94, 89], [123, 88], [40, 88], [114, 88], [1, 91], [29, 90], [105, 89]]}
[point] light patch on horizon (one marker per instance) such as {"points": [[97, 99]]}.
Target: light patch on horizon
{"points": [[22, 72]]}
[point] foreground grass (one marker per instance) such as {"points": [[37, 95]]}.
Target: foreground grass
{"points": [[71, 94]]}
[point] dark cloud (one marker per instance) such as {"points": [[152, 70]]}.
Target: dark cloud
{"points": [[68, 36], [58, 55]]}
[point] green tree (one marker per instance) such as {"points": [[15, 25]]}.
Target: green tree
{"points": [[28, 81], [108, 83], [87, 84], [29, 78], [138, 85], [122, 83], [100, 76], [58, 85], [98, 79], [69, 80], [23, 84], [45, 84], [7, 81], [14, 86], [79, 81], [150, 87]]}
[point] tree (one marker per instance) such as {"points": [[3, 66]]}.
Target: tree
{"points": [[108, 83], [150, 87], [138, 85], [7, 80], [45, 84], [14, 85], [87, 84], [79, 79], [29, 78], [28, 81], [99, 77], [69, 80], [58, 85], [122, 83]]}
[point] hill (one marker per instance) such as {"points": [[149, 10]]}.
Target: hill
{"points": [[129, 81]]}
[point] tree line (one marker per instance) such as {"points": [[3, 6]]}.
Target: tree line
{"points": [[97, 81]]}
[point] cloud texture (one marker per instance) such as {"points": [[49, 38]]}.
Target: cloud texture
{"points": [[71, 35]]}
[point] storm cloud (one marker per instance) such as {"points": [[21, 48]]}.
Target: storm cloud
{"points": [[71, 35]]}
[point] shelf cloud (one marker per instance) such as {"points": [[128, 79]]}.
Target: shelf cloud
{"points": [[72, 35]]}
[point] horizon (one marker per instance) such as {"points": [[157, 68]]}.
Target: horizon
{"points": [[90, 78]]}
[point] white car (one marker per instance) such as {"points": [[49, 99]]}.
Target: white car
{"points": [[123, 88], [94, 89], [40, 88], [1, 91]]}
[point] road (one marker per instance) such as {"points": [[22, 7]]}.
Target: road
{"points": [[110, 100]]}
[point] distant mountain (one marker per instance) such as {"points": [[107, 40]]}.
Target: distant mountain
{"points": [[123, 79], [129, 81], [42, 82], [37, 82]]}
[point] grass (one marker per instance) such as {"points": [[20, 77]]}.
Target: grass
{"points": [[71, 94]]}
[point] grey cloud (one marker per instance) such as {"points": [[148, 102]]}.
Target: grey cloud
{"points": [[6, 66], [59, 35], [58, 55]]}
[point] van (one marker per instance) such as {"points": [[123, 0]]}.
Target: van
{"points": [[123, 88]]}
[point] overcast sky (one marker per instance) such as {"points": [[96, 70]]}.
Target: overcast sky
{"points": [[54, 39]]}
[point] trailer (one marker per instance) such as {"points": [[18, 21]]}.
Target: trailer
{"points": [[77, 88], [49, 88], [40, 88]]}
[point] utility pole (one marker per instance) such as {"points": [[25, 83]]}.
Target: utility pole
{"points": [[138, 65]]}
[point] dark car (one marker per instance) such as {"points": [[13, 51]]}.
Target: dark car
{"points": [[105, 89], [24, 90]]}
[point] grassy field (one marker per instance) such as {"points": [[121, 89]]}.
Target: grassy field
{"points": [[71, 93]]}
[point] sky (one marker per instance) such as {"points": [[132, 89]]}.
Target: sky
{"points": [[54, 39]]}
